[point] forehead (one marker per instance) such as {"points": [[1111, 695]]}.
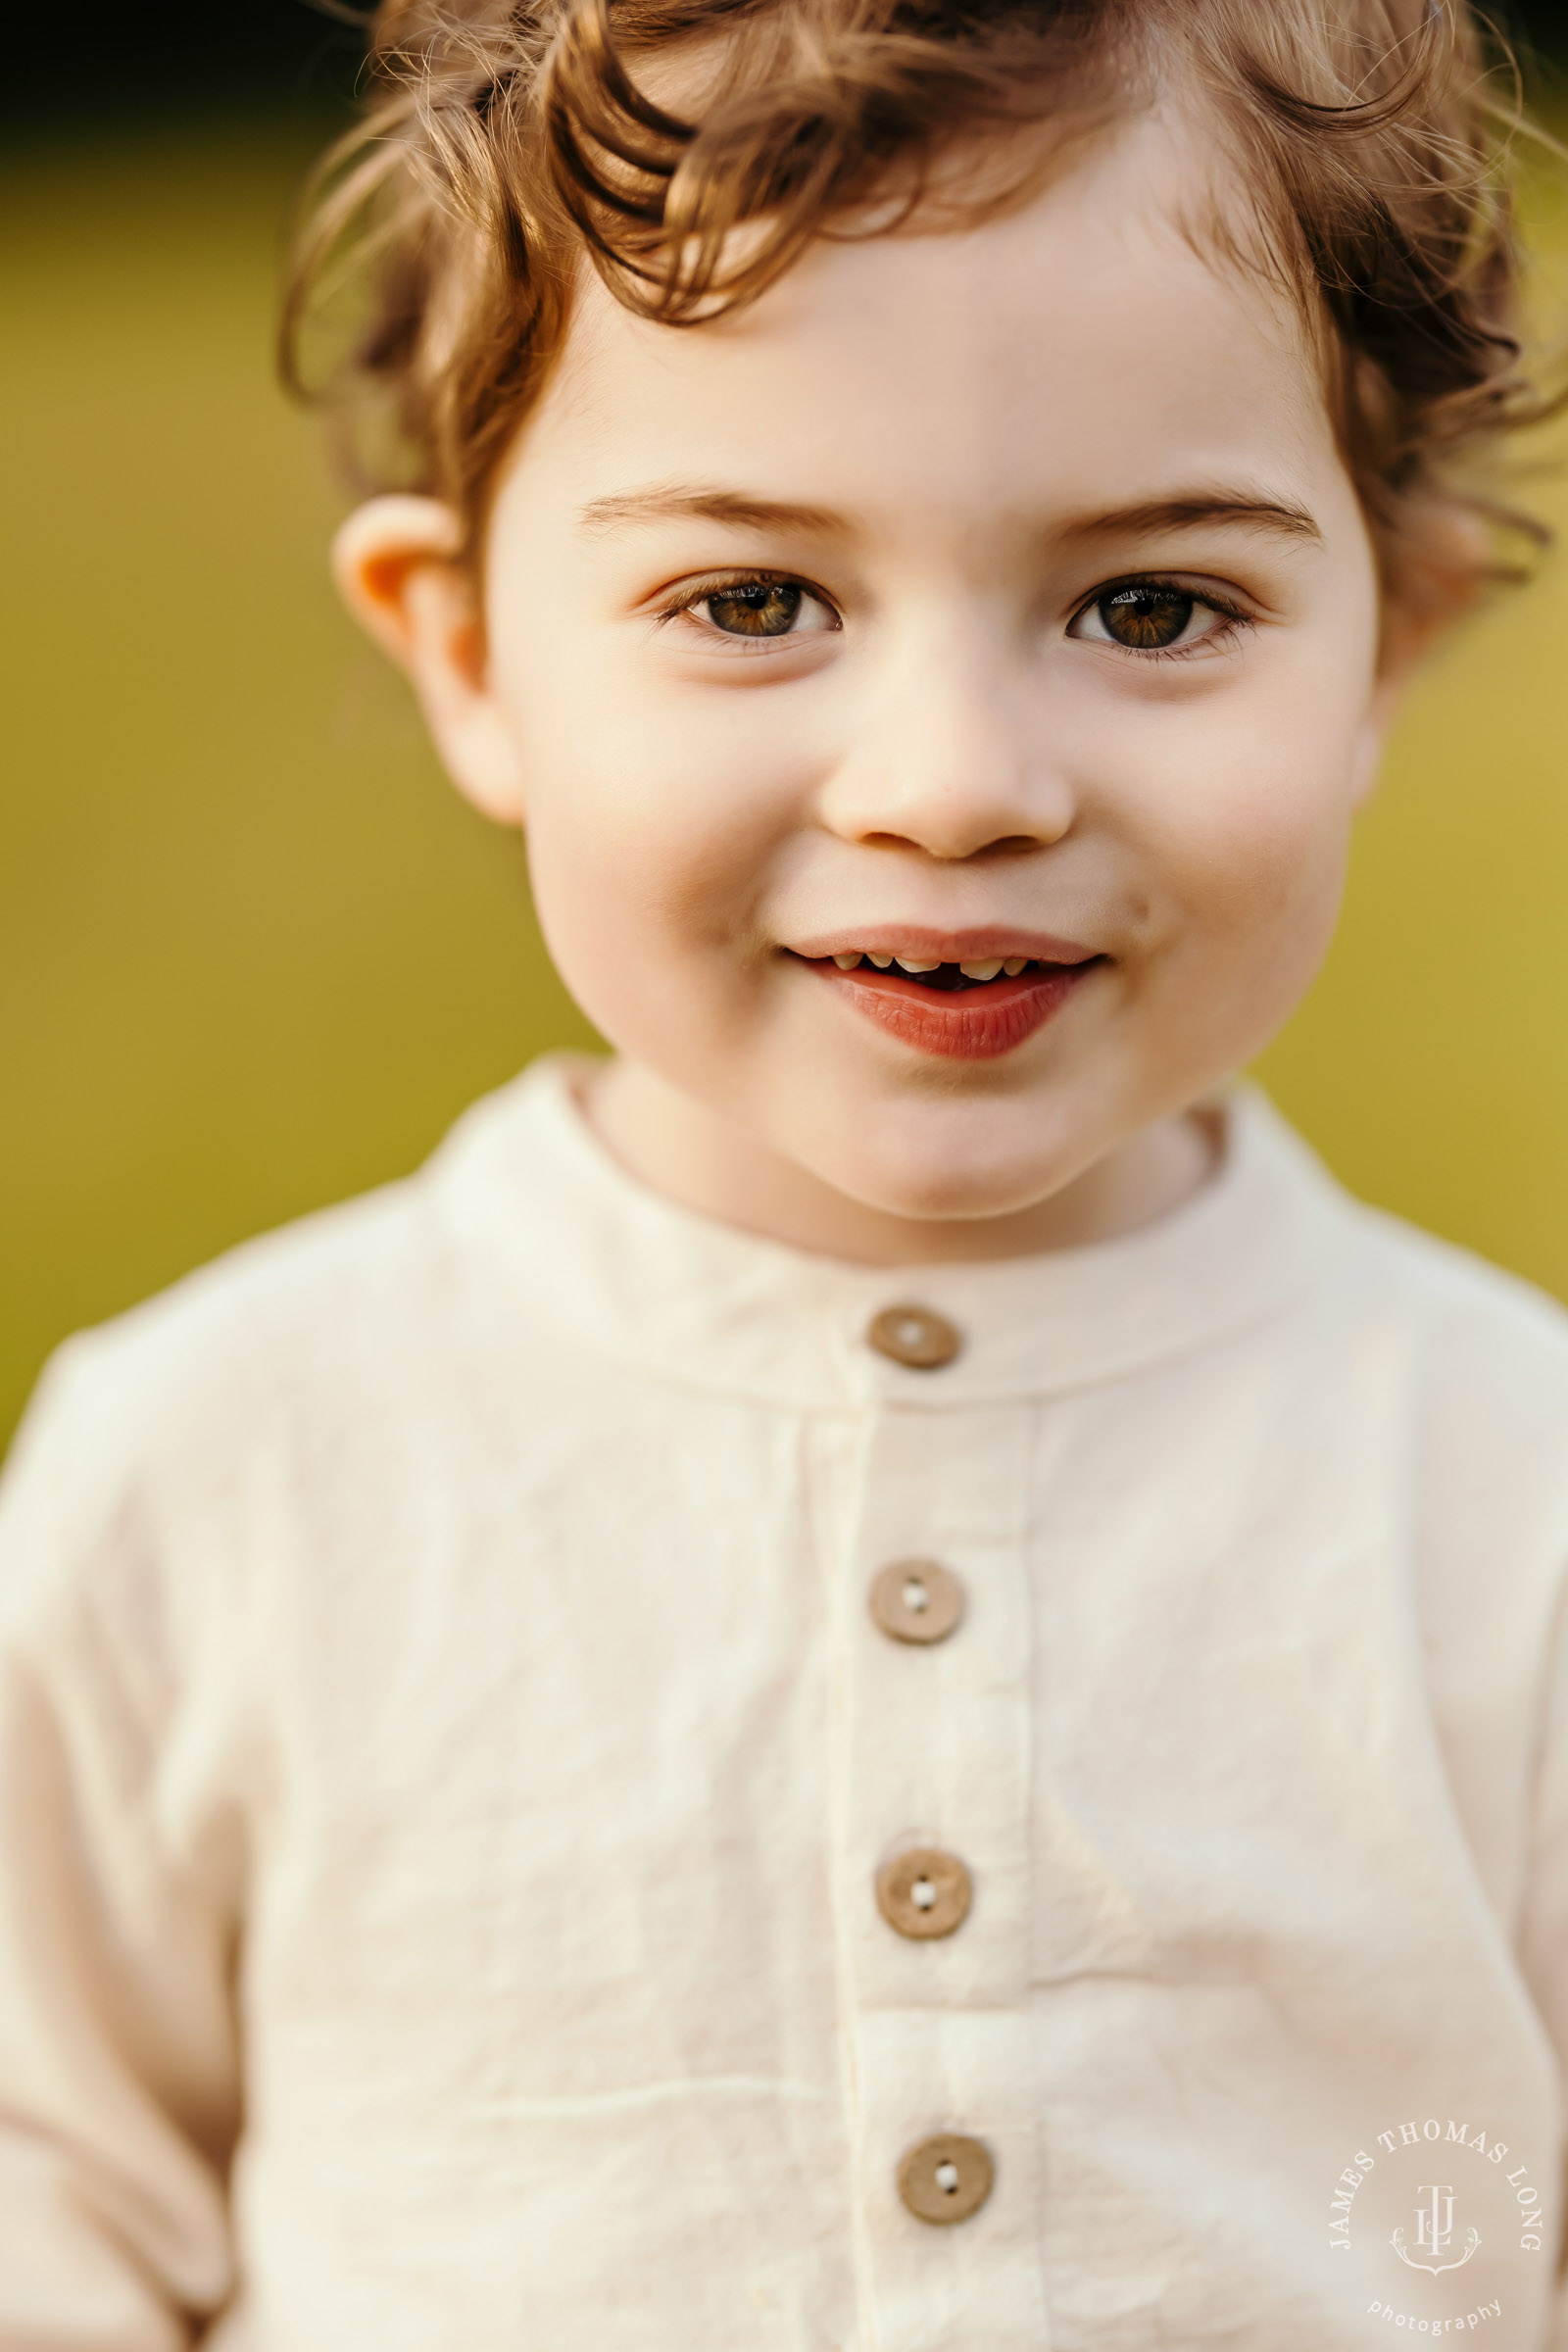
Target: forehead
{"points": [[1083, 346]]}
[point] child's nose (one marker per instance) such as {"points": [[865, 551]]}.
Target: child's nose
{"points": [[945, 761]]}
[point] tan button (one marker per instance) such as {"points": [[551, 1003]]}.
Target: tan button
{"points": [[946, 2178], [916, 1600], [914, 1335], [923, 1893]]}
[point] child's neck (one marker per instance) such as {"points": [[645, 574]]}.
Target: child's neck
{"points": [[692, 1155]]}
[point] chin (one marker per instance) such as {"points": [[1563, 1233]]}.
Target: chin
{"points": [[954, 1187], [929, 1156]]}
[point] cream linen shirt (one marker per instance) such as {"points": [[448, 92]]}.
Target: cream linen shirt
{"points": [[446, 1754]]}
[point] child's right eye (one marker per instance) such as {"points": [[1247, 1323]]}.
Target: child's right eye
{"points": [[758, 609]]}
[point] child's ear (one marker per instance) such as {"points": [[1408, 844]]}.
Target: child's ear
{"points": [[397, 563], [1443, 564]]}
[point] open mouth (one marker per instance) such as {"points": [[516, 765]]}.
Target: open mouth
{"points": [[969, 1010], [952, 978]]}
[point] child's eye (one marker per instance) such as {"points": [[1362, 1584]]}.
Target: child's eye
{"points": [[1155, 617], [756, 609]]}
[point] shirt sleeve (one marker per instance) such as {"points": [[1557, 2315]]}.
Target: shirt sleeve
{"points": [[119, 1879], [1544, 1936]]}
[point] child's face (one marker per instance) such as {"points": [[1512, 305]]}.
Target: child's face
{"points": [[995, 595]]}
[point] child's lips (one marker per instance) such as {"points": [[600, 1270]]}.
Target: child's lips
{"points": [[977, 1023], [915, 942]]}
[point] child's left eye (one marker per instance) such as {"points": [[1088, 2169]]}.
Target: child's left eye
{"points": [[758, 608], [1155, 617]]}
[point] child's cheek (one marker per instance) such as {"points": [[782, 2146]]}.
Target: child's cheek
{"points": [[1243, 804], [654, 849], [1230, 810], [1256, 879]]}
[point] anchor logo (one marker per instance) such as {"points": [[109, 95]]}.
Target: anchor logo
{"points": [[1434, 2234]]}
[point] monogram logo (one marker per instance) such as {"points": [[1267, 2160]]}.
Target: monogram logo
{"points": [[1434, 2234]]}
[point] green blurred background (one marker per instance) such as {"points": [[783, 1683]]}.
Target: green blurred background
{"points": [[255, 954]]}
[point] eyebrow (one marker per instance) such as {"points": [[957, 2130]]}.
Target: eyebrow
{"points": [[676, 503], [1240, 509], [1236, 509]]}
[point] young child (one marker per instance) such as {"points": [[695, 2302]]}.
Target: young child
{"points": [[874, 1679]]}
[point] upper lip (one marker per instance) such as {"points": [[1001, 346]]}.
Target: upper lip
{"points": [[944, 947]]}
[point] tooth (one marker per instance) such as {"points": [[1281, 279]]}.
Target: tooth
{"points": [[881, 961], [1013, 965], [847, 963], [908, 963], [982, 972]]}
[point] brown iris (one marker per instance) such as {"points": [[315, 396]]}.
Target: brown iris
{"points": [[755, 609], [1145, 617]]}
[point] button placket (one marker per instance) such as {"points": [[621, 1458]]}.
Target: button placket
{"points": [[937, 1812]]}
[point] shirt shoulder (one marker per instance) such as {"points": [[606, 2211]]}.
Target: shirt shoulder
{"points": [[149, 1428], [1464, 1307], [1350, 1282], [1478, 1361], [304, 1358], [214, 1339], [316, 1319]]}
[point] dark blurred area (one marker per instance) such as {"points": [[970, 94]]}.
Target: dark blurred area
{"points": [[1543, 24], [245, 54], [92, 58]]}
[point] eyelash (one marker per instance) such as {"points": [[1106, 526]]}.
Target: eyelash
{"points": [[1236, 617]]}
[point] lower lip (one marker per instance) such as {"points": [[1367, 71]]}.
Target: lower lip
{"points": [[974, 1025]]}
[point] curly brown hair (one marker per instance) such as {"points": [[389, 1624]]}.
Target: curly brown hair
{"points": [[505, 141]]}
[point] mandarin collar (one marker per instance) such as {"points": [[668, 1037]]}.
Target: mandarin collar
{"points": [[607, 1264]]}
